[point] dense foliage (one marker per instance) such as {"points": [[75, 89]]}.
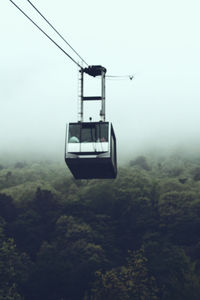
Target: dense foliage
{"points": [[136, 237]]}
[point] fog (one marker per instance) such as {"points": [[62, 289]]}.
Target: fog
{"points": [[156, 41]]}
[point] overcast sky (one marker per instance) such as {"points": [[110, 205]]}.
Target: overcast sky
{"points": [[156, 40]]}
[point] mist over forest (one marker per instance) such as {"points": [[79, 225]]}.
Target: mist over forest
{"points": [[133, 237], [136, 237]]}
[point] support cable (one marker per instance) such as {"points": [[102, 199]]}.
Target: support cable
{"points": [[45, 33], [77, 63], [56, 31]]}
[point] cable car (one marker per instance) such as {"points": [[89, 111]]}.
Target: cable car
{"points": [[90, 148]]}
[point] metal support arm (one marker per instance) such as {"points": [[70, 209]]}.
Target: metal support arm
{"points": [[93, 71]]}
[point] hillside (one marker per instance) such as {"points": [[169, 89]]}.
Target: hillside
{"points": [[135, 237]]}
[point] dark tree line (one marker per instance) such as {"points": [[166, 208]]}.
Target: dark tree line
{"points": [[136, 237]]}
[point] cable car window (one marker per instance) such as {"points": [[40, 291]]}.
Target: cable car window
{"points": [[91, 133], [88, 133], [74, 133], [102, 132]]}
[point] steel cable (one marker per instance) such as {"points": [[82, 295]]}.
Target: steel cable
{"points": [[45, 33], [56, 31]]}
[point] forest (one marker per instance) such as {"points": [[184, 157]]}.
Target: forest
{"points": [[136, 237]]}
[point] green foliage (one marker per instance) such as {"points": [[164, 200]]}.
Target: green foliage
{"points": [[135, 237], [7, 207], [13, 268], [196, 174], [131, 281], [141, 162]]}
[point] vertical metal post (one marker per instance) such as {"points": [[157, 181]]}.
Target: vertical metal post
{"points": [[81, 96], [103, 96]]}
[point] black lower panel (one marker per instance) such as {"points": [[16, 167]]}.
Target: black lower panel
{"points": [[91, 168]]}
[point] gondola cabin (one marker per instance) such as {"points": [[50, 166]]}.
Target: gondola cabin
{"points": [[90, 150], [90, 147]]}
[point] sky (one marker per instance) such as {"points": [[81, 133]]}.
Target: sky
{"points": [[155, 40]]}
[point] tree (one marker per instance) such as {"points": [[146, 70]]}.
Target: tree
{"points": [[12, 269], [7, 208], [129, 282], [173, 270], [65, 265], [141, 162]]}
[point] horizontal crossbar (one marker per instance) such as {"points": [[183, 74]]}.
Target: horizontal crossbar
{"points": [[92, 98]]}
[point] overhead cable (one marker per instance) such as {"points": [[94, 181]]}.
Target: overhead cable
{"points": [[56, 31], [69, 56], [45, 33]]}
